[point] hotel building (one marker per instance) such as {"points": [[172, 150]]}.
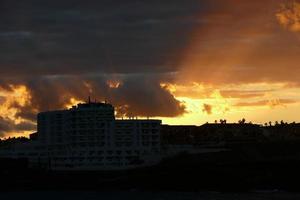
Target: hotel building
{"points": [[88, 137]]}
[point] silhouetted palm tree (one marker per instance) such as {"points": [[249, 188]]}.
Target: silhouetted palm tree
{"points": [[242, 121]]}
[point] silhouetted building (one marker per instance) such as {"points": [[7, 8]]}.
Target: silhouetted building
{"points": [[211, 134], [33, 136], [88, 137]]}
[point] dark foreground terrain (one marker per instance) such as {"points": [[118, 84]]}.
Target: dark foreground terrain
{"points": [[147, 195], [247, 167]]}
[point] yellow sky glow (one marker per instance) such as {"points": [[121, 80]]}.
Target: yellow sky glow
{"points": [[269, 105]]}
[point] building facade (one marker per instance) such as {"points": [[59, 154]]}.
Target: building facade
{"points": [[88, 137]]}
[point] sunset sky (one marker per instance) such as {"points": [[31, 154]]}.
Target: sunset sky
{"points": [[182, 61]]}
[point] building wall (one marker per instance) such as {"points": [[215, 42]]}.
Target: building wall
{"points": [[89, 137]]}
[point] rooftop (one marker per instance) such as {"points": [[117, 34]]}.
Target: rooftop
{"points": [[90, 104]]}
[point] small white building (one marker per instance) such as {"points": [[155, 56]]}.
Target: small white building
{"points": [[88, 137]]}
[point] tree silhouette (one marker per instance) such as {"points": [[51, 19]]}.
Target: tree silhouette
{"points": [[242, 121]]}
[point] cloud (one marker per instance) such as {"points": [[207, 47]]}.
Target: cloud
{"points": [[191, 90], [280, 102], [241, 42], [132, 52], [217, 42], [144, 97], [243, 94], [142, 93], [271, 103], [8, 127], [136, 96], [15, 116], [289, 16], [74, 38], [207, 109], [16, 34], [205, 91]]}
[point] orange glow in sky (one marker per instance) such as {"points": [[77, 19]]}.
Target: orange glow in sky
{"points": [[241, 65], [236, 59], [272, 102], [13, 99], [18, 95], [73, 102]]}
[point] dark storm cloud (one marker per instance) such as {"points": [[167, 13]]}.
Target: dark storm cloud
{"points": [[7, 125], [64, 49], [141, 95], [75, 37], [70, 49], [146, 97]]}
